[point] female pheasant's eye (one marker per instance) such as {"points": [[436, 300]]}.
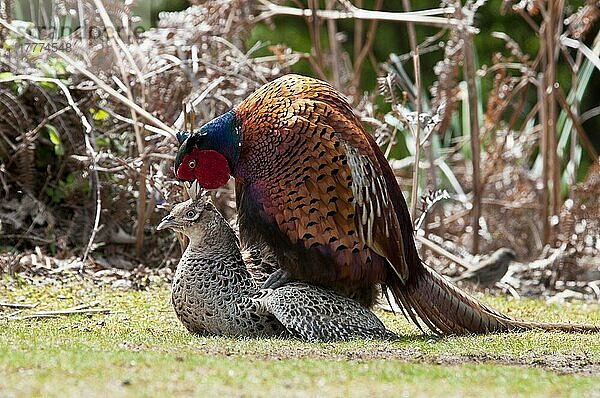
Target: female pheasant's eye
{"points": [[192, 164], [190, 215]]}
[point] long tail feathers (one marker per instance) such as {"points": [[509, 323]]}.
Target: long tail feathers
{"points": [[445, 309]]}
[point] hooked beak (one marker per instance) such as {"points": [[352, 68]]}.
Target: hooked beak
{"points": [[167, 222]]}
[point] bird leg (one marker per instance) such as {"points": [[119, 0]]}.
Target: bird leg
{"points": [[277, 279]]}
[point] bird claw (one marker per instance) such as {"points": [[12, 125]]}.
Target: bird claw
{"points": [[277, 279]]}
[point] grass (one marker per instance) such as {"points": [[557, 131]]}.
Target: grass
{"points": [[141, 350]]}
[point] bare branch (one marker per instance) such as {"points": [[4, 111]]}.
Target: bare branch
{"points": [[419, 17], [166, 130]]}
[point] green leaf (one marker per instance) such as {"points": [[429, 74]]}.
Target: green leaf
{"points": [[48, 85], [59, 66], [59, 149], [103, 142], [15, 84], [85, 187], [53, 134], [57, 194], [36, 50], [100, 115], [9, 43], [70, 180]]}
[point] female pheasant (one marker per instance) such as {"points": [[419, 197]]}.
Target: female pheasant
{"points": [[214, 292], [314, 187]]}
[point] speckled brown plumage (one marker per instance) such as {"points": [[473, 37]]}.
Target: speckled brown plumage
{"points": [[322, 188]]}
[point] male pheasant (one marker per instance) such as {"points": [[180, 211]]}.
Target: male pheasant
{"points": [[214, 293], [314, 187]]}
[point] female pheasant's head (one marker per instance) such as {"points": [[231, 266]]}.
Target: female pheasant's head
{"points": [[210, 154]]}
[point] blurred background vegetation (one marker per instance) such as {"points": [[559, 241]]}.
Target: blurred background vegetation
{"points": [[86, 123]]}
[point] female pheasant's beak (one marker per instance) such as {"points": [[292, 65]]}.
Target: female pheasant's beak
{"points": [[168, 222]]}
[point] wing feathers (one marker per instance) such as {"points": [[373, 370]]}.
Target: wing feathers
{"points": [[324, 185]]}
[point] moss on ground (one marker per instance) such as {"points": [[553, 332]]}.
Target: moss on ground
{"points": [[140, 349]]}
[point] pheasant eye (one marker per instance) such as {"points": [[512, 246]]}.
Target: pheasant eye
{"points": [[190, 214], [192, 164]]}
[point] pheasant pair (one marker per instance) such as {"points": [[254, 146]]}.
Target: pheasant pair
{"points": [[214, 293], [315, 189]]}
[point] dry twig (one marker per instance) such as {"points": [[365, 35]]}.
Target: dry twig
{"points": [[421, 17], [18, 305], [79, 309]]}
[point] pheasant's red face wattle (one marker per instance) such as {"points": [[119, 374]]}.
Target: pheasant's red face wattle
{"points": [[208, 167]]}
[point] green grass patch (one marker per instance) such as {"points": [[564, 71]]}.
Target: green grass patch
{"points": [[140, 349]]}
